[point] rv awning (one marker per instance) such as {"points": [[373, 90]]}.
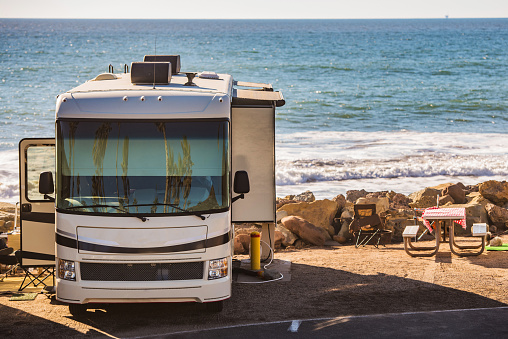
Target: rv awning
{"points": [[253, 96]]}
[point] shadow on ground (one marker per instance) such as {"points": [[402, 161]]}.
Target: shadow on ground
{"points": [[18, 324]]}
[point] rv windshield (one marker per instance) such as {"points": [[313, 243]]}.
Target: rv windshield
{"points": [[149, 167]]}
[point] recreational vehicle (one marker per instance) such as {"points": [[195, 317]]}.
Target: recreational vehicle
{"points": [[134, 198]]}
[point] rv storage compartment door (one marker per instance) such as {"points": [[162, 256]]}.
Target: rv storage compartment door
{"points": [[253, 150], [37, 213]]}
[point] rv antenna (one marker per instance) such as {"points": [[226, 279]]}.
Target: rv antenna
{"points": [[155, 53]]}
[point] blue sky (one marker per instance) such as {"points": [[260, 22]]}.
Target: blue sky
{"points": [[254, 9]]}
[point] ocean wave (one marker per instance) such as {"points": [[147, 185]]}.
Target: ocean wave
{"points": [[318, 170]]}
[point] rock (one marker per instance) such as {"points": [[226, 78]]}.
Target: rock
{"points": [[320, 213], [279, 238], [282, 202], [497, 241], [354, 195], [382, 203], [299, 244], [242, 243], [340, 200], [280, 215], [427, 197], [497, 215], [472, 188], [238, 246], [289, 237], [445, 199], [456, 192], [398, 201], [347, 214], [344, 231], [397, 222], [246, 228], [340, 239], [306, 196], [304, 230], [495, 191]]}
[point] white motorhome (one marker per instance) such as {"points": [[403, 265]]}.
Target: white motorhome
{"points": [[140, 187]]}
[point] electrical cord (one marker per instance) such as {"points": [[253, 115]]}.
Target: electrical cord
{"points": [[265, 266]]}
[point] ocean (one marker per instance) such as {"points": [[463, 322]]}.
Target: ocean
{"points": [[370, 104]]}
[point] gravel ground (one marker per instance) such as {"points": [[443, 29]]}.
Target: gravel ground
{"points": [[325, 282]]}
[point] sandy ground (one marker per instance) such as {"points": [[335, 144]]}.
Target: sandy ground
{"points": [[325, 282]]}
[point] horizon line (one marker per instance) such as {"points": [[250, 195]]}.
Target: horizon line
{"points": [[212, 19]]}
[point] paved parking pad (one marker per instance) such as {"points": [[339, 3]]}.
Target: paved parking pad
{"points": [[469, 323]]}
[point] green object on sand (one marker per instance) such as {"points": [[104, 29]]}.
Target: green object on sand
{"points": [[503, 247], [24, 296]]}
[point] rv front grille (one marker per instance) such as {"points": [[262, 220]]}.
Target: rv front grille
{"points": [[142, 272]]}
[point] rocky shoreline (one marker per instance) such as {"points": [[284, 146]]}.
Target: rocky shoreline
{"points": [[303, 221]]}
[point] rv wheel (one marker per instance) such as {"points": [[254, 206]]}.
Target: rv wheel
{"points": [[77, 310], [214, 307]]}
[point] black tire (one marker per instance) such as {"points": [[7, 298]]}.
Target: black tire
{"points": [[215, 307], [77, 310]]}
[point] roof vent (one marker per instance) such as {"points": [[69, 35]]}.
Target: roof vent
{"points": [[173, 59], [147, 73]]}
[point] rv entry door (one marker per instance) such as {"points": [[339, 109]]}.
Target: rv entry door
{"points": [[37, 211]]}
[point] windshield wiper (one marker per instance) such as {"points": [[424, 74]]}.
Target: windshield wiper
{"points": [[197, 214], [142, 218]]}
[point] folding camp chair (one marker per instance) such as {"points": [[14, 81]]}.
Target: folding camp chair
{"points": [[9, 260], [367, 226], [35, 279]]}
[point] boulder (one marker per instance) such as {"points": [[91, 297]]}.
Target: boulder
{"points": [[397, 220], [354, 195], [279, 238], [320, 213], [305, 230], [341, 203], [289, 237], [282, 202], [398, 201], [497, 215], [445, 199], [340, 239], [427, 197], [280, 215], [242, 243], [382, 203], [347, 214], [495, 191], [344, 230], [306, 196], [456, 192]]}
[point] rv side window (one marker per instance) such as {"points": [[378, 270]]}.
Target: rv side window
{"points": [[39, 158]]}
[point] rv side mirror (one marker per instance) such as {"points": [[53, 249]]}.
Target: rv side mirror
{"points": [[46, 183], [241, 183]]}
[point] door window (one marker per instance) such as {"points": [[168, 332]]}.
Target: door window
{"points": [[39, 158]]}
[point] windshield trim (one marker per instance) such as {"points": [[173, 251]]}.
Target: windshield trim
{"points": [[131, 215]]}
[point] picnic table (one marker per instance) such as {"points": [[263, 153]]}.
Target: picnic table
{"points": [[433, 218]]}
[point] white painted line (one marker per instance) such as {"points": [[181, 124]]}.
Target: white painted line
{"points": [[294, 326]]}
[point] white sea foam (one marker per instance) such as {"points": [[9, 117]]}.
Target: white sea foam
{"points": [[334, 162], [9, 178]]}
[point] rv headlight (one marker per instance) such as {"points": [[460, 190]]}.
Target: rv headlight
{"points": [[218, 268], [67, 270]]}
